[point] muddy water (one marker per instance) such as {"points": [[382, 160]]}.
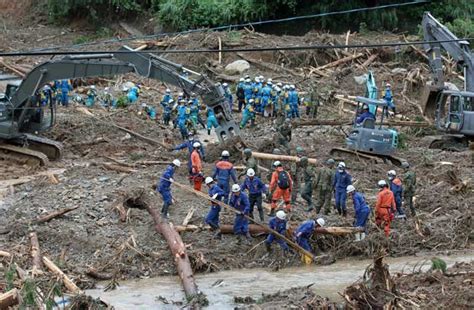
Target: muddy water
{"points": [[221, 287]]}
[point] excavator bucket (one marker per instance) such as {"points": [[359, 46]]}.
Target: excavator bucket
{"points": [[429, 101]]}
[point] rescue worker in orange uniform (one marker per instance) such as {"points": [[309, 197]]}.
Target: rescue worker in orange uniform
{"points": [[281, 186], [196, 167], [385, 207]]}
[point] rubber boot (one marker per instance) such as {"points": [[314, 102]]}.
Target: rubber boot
{"points": [[357, 237], [268, 246], [260, 213], [164, 211], [272, 213]]}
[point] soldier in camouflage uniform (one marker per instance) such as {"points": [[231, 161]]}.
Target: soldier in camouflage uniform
{"points": [[284, 134], [409, 181], [250, 162], [312, 104], [296, 169], [324, 187], [308, 177]]}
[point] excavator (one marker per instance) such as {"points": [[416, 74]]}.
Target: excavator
{"points": [[451, 109], [22, 117]]}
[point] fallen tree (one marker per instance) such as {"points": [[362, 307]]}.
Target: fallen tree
{"points": [[142, 200], [258, 230], [281, 157]]}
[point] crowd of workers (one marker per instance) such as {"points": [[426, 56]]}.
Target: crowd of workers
{"points": [[284, 186]]}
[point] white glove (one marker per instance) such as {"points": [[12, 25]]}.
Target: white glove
{"points": [[171, 180], [215, 196]]}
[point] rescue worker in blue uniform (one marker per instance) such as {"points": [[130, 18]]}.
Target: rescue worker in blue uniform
{"points": [[362, 211], [240, 201], [248, 90], [167, 96], [266, 95], [279, 224], [189, 145], [305, 231], [293, 100], [228, 95], [342, 180], [396, 187], [65, 88], [182, 117], [223, 172], [388, 97], [248, 114], [164, 187], [256, 190], [211, 120], [212, 218], [167, 109]]}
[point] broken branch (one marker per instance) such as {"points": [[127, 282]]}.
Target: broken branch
{"points": [[50, 216]]}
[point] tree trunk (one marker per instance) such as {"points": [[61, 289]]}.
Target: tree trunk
{"points": [[35, 253], [281, 157], [67, 282], [9, 299], [178, 250], [258, 230]]}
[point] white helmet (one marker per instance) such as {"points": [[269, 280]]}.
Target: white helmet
{"points": [[260, 77], [269, 83], [251, 100], [176, 162], [225, 154], [388, 85], [247, 80], [279, 84], [225, 85], [277, 163], [250, 172], [281, 215], [106, 89], [269, 80], [171, 101], [382, 183], [257, 79], [242, 79], [392, 172], [341, 165], [92, 86], [292, 86], [181, 94], [208, 180], [321, 222], [168, 90], [350, 189], [235, 188], [196, 144]]}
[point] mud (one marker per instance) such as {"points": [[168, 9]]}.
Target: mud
{"points": [[93, 236]]}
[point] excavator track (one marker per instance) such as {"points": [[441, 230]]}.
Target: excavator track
{"points": [[454, 143], [22, 155], [52, 149], [342, 154]]}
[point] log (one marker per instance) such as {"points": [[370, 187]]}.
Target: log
{"points": [[52, 215], [259, 230], [340, 61], [133, 133], [5, 254], [9, 299], [281, 157], [118, 168], [35, 253], [266, 65], [370, 60], [178, 250], [391, 123], [189, 216], [233, 210], [94, 273], [67, 282]]}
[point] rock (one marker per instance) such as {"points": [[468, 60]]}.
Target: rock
{"points": [[103, 179], [237, 67]]}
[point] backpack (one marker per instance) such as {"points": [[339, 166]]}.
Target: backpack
{"points": [[283, 180]]}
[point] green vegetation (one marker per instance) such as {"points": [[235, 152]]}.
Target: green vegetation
{"points": [[190, 14]]}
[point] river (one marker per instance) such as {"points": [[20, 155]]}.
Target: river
{"points": [[221, 287]]}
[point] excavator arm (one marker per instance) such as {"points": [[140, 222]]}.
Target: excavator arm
{"points": [[23, 101]]}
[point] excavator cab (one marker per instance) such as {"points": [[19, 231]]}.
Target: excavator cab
{"points": [[455, 112], [369, 137]]}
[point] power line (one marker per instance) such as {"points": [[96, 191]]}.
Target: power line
{"points": [[237, 26], [234, 50]]}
